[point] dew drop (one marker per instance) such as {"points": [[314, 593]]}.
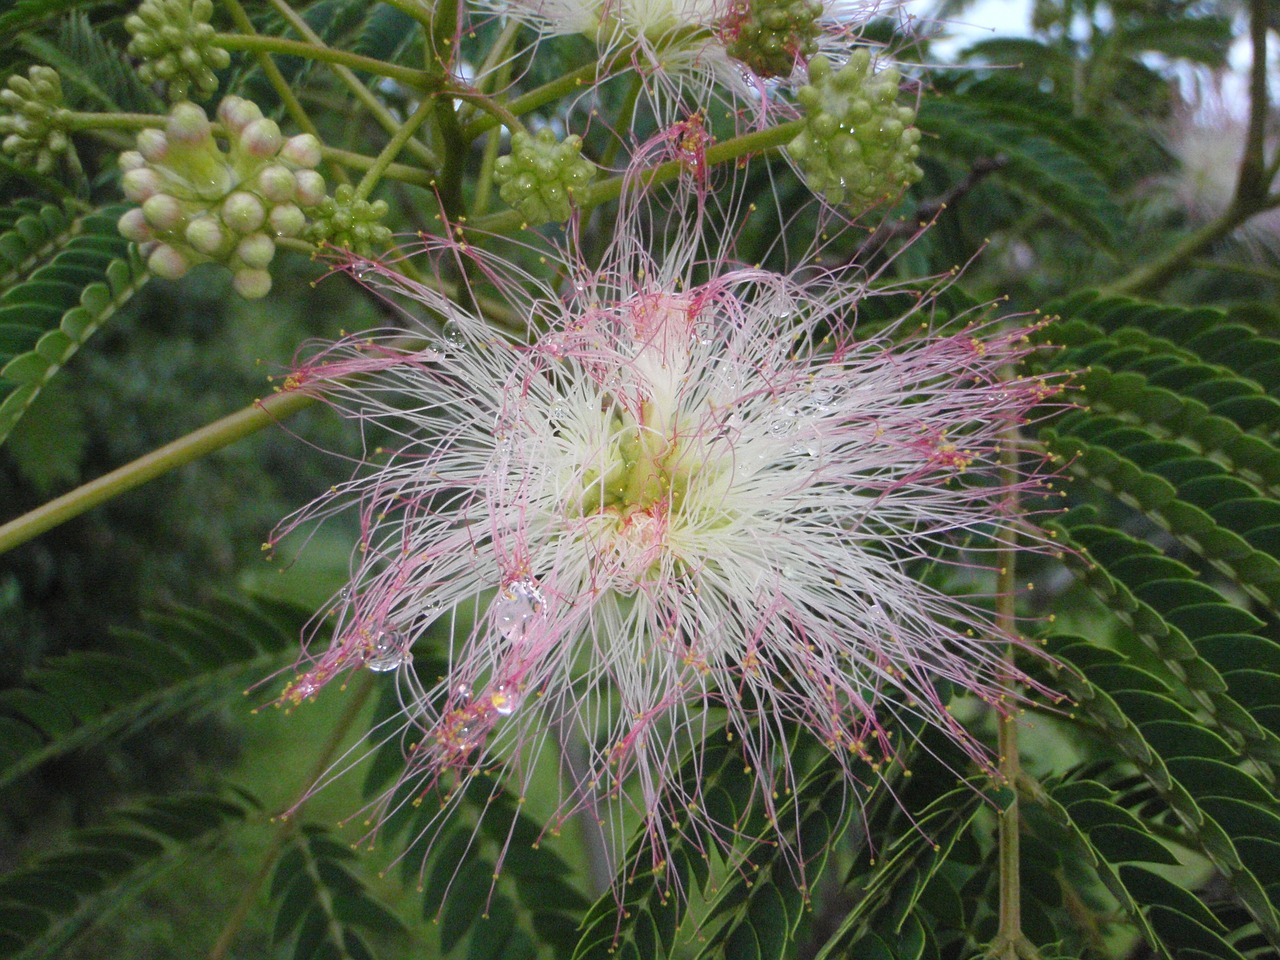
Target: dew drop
{"points": [[504, 699], [451, 337], [781, 306], [462, 694], [516, 606], [389, 651]]}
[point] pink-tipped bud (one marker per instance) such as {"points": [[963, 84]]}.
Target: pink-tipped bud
{"points": [[287, 221], [167, 263], [133, 226], [277, 183], [301, 151], [310, 190], [130, 160], [141, 184], [252, 284], [163, 212], [261, 139], [153, 145], [188, 124], [243, 212], [256, 250], [207, 236], [237, 113]]}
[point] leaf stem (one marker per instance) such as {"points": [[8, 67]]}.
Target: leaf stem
{"points": [[297, 48], [1010, 942], [362, 93], [393, 148], [194, 445]]}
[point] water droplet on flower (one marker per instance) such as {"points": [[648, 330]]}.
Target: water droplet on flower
{"points": [[559, 412], [781, 306], [451, 337], [783, 422], [518, 603], [388, 652], [462, 694], [504, 699]]}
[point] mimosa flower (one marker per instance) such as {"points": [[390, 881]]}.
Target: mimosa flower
{"points": [[692, 500]]}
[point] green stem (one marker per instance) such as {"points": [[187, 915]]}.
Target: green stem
{"points": [[395, 171], [289, 825], [488, 105], [392, 149], [297, 48], [412, 9], [1253, 183], [537, 97], [362, 93], [1151, 277], [113, 121], [195, 445], [1010, 942], [610, 189]]}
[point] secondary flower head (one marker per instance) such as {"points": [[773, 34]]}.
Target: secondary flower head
{"points": [[691, 501], [693, 50]]}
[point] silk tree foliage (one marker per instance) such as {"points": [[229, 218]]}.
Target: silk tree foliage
{"points": [[1108, 790]]}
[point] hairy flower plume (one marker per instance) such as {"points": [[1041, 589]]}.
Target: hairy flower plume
{"points": [[689, 502]]}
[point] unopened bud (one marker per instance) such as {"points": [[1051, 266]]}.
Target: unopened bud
{"points": [[287, 221], [140, 184], [206, 235], [277, 183], [133, 226], [243, 212], [130, 160], [188, 124], [237, 113], [310, 189], [252, 284], [301, 151], [163, 212], [256, 250], [261, 138], [167, 263]]}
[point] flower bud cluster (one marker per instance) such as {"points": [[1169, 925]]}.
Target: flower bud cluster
{"points": [[769, 36], [858, 146], [202, 204], [349, 222], [33, 126], [173, 38], [539, 176]]}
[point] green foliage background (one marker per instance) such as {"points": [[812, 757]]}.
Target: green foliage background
{"points": [[142, 794]]}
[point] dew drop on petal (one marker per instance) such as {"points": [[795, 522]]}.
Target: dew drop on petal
{"points": [[462, 694], [516, 605], [388, 652], [504, 699], [450, 336]]}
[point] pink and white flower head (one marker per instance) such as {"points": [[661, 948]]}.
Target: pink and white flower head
{"points": [[688, 504], [691, 52]]}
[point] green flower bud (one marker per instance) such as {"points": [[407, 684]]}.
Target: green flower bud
{"points": [[163, 212], [256, 250], [301, 151], [858, 146], [243, 212], [287, 221], [252, 284], [167, 263], [261, 139], [33, 120], [133, 226], [770, 36], [207, 236], [174, 41], [539, 176], [344, 221], [310, 188], [205, 200]]}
